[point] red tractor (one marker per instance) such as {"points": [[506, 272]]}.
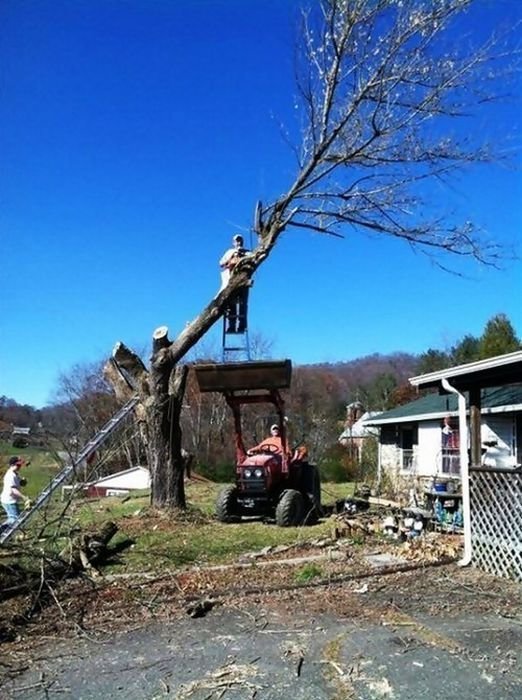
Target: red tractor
{"points": [[271, 480]]}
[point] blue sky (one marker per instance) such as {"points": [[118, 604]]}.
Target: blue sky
{"points": [[136, 137]]}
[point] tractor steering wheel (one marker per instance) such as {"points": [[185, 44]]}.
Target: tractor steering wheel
{"points": [[269, 448]]}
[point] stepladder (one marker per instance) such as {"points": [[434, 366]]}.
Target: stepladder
{"points": [[235, 341], [235, 346]]}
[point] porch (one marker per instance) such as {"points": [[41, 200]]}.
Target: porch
{"points": [[492, 495]]}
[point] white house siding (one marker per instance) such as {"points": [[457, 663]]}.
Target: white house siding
{"points": [[429, 448], [426, 452], [390, 457]]}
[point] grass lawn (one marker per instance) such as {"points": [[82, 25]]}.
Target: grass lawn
{"points": [[161, 539], [43, 467], [172, 540], [195, 537]]}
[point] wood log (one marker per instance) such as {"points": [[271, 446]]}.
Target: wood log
{"points": [[82, 554], [89, 548]]}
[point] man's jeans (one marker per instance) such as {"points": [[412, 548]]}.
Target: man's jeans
{"points": [[12, 510]]}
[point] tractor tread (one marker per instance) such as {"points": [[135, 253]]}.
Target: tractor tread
{"points": [[290, 509], [226, 505]]}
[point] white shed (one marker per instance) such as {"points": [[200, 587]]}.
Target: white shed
{"points": [[121, 483]]}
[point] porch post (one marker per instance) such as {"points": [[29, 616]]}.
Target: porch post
{"points": [[464, 471], [474, 420]]}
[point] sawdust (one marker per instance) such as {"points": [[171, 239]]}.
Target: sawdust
{"points": [[222, 679]]}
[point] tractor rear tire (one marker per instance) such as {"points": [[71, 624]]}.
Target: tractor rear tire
{"points": [[290, 509], [226, 505]]}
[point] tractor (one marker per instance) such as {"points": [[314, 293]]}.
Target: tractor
{"points": [[270, 482]]}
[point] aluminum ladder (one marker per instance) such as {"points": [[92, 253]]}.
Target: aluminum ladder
{"points": [[89, 448]]}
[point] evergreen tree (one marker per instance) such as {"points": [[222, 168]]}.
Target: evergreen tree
{"points": [[432, 361], [498, 338], [466, 350]]}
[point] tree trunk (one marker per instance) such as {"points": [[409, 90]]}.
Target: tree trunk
{"points": [[161, 391], [167, 388]]}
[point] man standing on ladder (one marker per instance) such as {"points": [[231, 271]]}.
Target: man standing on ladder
{"points": [[237, 308]]}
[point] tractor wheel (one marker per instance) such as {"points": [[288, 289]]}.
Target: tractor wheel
{"points": [[290, 509], [226, 505]]}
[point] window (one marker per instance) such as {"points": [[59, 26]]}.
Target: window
{"points": [[407, 439], [116, 492], [450, 453]]}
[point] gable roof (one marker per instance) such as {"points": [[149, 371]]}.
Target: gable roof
{"points": [[433, 406], [135, 477], [361, 429]]}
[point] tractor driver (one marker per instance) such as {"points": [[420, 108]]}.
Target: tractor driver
{"points": [[272, 443]]}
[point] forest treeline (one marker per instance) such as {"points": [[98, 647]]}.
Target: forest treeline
{"points": [[316, 403]]}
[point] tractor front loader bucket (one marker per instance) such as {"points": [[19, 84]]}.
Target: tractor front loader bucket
{"points": [[243, 376]]}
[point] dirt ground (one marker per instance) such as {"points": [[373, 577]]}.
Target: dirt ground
{"points": [[312, 623]]}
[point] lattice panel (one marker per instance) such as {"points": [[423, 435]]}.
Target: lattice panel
{"points": [[496, 522]]}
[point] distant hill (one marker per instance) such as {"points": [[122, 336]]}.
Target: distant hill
{"points": [[378, 381], [365, 369]]}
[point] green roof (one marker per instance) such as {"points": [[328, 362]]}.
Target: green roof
{"points": [[441, 404]]}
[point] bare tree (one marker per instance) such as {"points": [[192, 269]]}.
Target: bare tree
{"points": [[87, 396], [381, 84]]}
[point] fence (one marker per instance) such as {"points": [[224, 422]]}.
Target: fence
{"points": [[496, 520]]}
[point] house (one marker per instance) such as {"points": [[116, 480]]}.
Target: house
{"points": [[491, 485], [357, 432], [19, 430], [20, 436], [422, 438], [119, 484]]}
